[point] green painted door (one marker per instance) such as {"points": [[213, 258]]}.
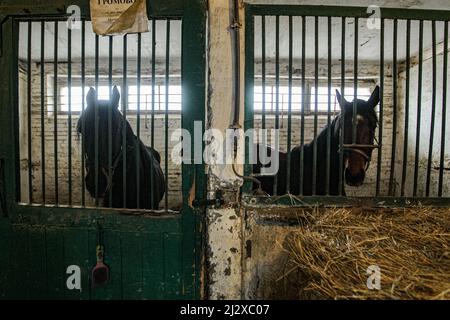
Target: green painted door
{"points": [[150, 257]]}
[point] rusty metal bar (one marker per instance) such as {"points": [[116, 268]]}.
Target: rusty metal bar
{"points": [[433, 108]]}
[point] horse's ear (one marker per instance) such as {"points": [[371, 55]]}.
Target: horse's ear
{"points": [[90, 97], [339, 98], [374, 98], [115, 97]]}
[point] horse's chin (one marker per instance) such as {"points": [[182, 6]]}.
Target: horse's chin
{"points": [[353, 181], [354, 184]]}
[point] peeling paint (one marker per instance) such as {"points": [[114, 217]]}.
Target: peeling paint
{"points": [[191, 195]]}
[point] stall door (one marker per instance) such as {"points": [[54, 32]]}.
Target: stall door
{"points": [[56, 225]]}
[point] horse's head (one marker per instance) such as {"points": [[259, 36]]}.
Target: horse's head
{"points": [[357, 155], [94, 123]]}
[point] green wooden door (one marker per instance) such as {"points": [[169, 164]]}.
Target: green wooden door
{"points": [[149, 257]]}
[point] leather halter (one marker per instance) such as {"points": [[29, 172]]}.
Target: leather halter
{"points": [[357, 148], [105, 169]]}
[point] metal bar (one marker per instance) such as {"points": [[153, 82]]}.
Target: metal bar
{"points": [[444, 110], [30, 162], [380, 129], [394, 112], [419, 109], [328, 161], [166, 118], [289, 136], [316, 93], [249, 96], [277, 90], [237, 65], [69, 116], [347, 11], [83, 84], [110, 55], [138, 121], [355, 83], [55, 110], [42, 111], [96, 120], [407, 82], [433, 109], [302, 129], [263, 71], [341, 136], [263, 82], [124, 128], [357, 145], [334, 202], [152, 133]]}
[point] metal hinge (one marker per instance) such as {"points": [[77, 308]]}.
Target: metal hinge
{"points": [[216, 203]]}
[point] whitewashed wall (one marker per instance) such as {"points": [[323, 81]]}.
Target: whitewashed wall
{"points": [[425, 126]]}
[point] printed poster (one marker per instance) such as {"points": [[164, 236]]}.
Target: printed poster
{"points": [[114, 17]]}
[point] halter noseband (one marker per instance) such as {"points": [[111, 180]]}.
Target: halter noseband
{"points": [[114, 164], [356, 148], [112, 169]]}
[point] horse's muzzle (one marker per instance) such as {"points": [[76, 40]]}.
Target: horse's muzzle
{"points": [[354, 180], [102, 183]]}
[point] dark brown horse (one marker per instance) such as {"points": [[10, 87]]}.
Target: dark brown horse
{"points": [[118, 164], [356, 158]]}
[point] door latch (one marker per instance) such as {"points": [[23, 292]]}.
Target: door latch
{"points": [[216, 202]]}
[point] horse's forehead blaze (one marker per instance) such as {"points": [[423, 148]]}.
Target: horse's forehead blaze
{"points": [[359, 118]]}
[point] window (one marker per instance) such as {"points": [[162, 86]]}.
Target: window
{"points": [[76, 97], [322, 97], [145, 101], [310, 97], [283, 98]]}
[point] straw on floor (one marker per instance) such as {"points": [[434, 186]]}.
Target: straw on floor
{"points": [[334, 248]]}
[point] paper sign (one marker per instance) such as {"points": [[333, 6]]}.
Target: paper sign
{"points": [[113, 17]]}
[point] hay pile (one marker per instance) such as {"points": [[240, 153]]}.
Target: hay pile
{"points": [[333, 249]]}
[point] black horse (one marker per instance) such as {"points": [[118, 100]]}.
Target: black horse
{"points": [[117, 187], [356, 159]]}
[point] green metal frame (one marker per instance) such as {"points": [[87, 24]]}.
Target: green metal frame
{"points": [[333, 201], [343, 11], [323, 11], [177, 237]]}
